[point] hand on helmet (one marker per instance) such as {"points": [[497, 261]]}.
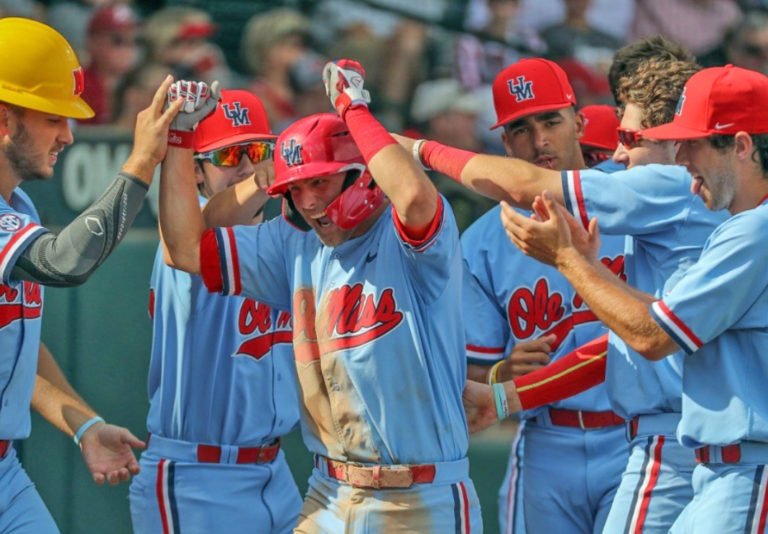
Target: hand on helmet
{"points": [[343, 80], [199, 102]]}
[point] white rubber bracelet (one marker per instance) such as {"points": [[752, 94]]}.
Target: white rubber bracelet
{"points": [[416, 151], [88, 424]]}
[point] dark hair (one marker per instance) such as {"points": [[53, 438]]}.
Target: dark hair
{"points": [[760, 141], [627, 58]]}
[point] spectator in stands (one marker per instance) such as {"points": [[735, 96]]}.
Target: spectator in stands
{"points": [[745, 46], [699, 25], [134, 93], [178, 37], [113, 51], [272, 43], [445, 112], [574, 37], [306, 78], [478, 61]]}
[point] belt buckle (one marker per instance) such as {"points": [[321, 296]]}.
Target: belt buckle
{"points": [[581, 420]]}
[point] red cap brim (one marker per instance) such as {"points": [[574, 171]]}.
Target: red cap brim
{"points": [[530, 111], [673, 132], [234, 140]]}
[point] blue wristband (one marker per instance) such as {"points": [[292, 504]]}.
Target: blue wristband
{"points": [[88, 424], [500, 397]]}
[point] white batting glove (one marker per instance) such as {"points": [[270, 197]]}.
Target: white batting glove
{"points": [[199, 102], [343, 80]]}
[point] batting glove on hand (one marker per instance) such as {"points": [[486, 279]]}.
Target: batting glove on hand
{"points": [[199, 102], [343, 80]]}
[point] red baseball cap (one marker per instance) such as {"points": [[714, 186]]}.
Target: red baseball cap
{"points": [[239, 117], [530, 86], [718, 100], [195, 30], [112, 18], [600, 127]]}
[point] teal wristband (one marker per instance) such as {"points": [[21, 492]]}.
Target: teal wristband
{"points": [[88, 424], [500, 397]]}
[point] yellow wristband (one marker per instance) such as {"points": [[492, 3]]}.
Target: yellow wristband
{"points": [[494, 370]]}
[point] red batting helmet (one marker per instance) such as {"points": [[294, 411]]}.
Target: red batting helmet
{"points": [[320, 145]]}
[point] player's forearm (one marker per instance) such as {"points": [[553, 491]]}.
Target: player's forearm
{"points": [[237, 204], [620, 309], [181, 222], [69, 258], [496, 177], [510, 179], [55, 399], [410, 190], [609, 275], [478, 373], [575, 372]]}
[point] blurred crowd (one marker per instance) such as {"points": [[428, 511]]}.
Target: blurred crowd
{"points": [[428, 75]]}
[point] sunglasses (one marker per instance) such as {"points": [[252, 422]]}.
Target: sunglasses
{"points": [[231, 156], [629, 138]]}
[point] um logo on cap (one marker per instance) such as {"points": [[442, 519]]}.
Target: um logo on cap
{"points": [[238, 115], [522, 90], [680, 102], [291, 153], [79, 76]]}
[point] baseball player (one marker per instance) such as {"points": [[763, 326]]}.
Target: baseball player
{"points": [[40, 89], [601, 137], [222, 384], [514, 304], [668, 227], [372, 282], [716, 311]]}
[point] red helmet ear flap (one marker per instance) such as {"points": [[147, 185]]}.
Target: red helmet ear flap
{"points": [[357, 201]]}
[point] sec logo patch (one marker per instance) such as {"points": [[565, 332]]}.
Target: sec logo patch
{"points": [[10, 222]]}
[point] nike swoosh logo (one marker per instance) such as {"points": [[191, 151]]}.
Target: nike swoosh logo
{"points": [[719, 126], [371, 256]]}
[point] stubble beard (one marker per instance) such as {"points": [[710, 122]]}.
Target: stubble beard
{"points": [[22, 162]]}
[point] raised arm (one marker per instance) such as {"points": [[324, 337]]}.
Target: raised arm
{"points": [[411, 192], [181, 222], [242, 202], [500, 178], [69, 258]]}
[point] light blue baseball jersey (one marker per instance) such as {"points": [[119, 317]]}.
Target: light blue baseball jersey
{"points": [[510, 298], [666, 227], [221, 370], [378, 333], [21, 307], [718, 314]]}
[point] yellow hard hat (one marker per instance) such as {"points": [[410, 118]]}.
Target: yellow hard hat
{"points": [[40, 70]]}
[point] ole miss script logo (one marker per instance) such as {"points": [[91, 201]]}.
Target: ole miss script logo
{"points": [[255, 319], [20, 302], [542, 311], [347, 317]]}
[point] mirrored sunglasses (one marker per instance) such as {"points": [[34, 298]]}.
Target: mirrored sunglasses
{"points": [[629, 138], [257, 151]]}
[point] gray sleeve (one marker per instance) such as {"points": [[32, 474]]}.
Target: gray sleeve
{"points": [[69, 258]]}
